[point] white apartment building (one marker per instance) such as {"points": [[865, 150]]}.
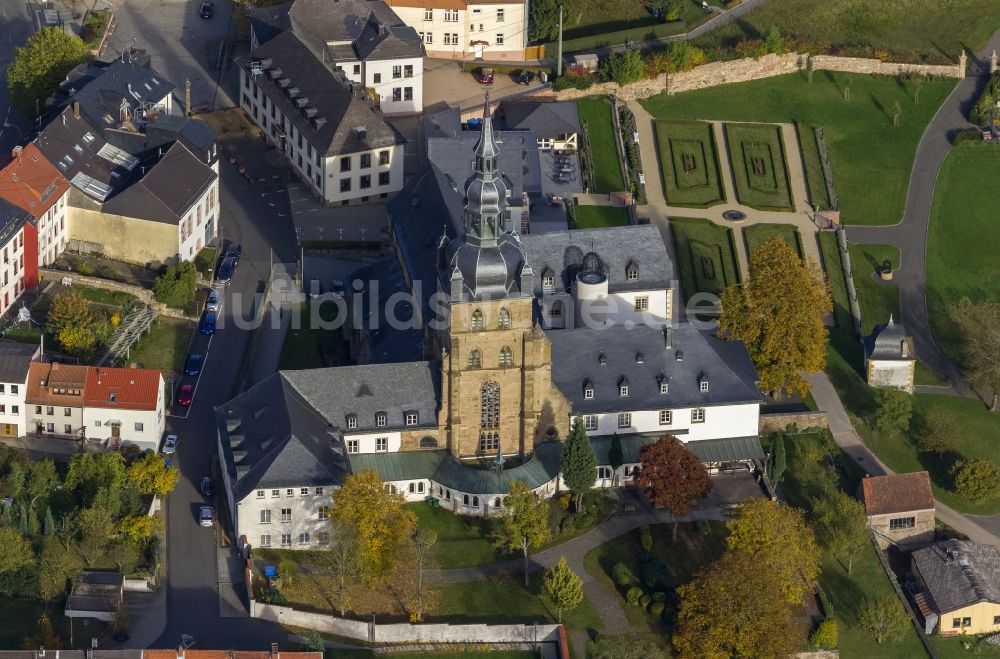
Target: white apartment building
{"points": [[286, 517], [15, 359], [468, 29], [337, 142]]}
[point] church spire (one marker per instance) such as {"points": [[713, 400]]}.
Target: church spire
{"points": [[486, 193], [486, 149]]}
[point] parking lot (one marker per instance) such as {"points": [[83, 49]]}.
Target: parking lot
{"points": [[446, 84]]}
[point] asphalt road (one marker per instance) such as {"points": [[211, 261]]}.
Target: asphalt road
{"points": [[18, 24]]}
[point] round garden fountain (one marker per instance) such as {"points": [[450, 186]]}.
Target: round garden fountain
{"points": [[734, 215]]}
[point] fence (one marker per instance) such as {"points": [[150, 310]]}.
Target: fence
{"points": [[852, 292]]}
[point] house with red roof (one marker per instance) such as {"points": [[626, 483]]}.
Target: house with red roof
{"points": [[900, 508], [124, 405], [31, 182]]}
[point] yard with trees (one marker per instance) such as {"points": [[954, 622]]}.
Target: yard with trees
{"points": [[40, 66]]}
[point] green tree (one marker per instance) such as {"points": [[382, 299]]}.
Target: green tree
{"points": [[778, 314], [424, 540], [883, 617], [672, 477], [980, 324], [98, 479], [383, 528], [138, 528], [777, 460], [123, 554], [939, 434], [40, 66], [523, 523], [14, 481], [976, 479], [69, 309], [15, 551], [78, 340], [50, 522], [843, 526], [177, 286], [94, 529], [616, 457], [579, 464], [624, 647], [343, 560], [893, 409], [774, 42], [151, 475], [543, 24], [45, 636], [564, 587], [670, 10], [683, 56], [623, 68], [42, 478], [54, 570]]}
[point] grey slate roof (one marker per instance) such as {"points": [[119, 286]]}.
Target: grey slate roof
{"points": [[544, 119], [394, 389], [562, 252], [383, 283], [12, 218], [728, 449], [372, 29], [269, 22], [445, 469], [314, 220], [100, 91], [576, 359], [327, 92], [14, 360], [886, 343], [958, 573], [165, 193], [59, 140], [518, 162], [271, 437]]}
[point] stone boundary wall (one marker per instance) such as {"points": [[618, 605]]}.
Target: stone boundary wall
{"points": [[749, 68], [770, 423], [818, 654], [144, 294], [406, 633]]}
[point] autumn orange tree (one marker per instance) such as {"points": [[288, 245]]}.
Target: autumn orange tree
{"points": [[672, 477], [778, 313]]}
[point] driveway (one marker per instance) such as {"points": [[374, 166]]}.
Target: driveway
{"points": [[445, 84]]}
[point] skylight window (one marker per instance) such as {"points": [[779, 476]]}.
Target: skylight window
{"points": [[91, 186], [88, 137], [118, 156]]}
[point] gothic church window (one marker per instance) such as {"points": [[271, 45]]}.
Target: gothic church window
{"points": [[475, 359], [504, 319], [478, 321], [506, 357]]}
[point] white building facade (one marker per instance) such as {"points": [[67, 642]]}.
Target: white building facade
{"points": [[200, 224], [468, 30], [286, 517]]}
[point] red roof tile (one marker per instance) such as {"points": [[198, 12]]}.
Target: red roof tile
{"points": [[56, 384], [32, 182], [122, 388], [897, 493]]}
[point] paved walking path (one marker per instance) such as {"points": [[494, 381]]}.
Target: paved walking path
{"points": [[910, 234], [978, 529]]}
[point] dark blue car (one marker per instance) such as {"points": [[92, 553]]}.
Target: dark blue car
{"points": [[193, 364], [225, 273], [208, 324]]}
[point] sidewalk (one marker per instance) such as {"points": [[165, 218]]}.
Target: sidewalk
{"points": [[269, 339]]}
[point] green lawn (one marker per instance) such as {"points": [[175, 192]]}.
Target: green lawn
{"points": [[871, 182], [596, 114], [760, 172], [164, 347], [924, 375], [830, 252], [21, 620], [689, 163], [877, 298], [951, 647], [962, 242], [756, 235], [306, 347], [705, 254], [595, 217], [914, 29], [104, 296], [505, 601], [461, 541], [813, 166]]}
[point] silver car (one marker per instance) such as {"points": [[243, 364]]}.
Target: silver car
{"points": [[214, 301], [206, 516]]}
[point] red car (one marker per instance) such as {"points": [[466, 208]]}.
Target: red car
{"points": [[185, 395], [486, 77]]}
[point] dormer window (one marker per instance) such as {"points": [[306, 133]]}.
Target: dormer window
{"points": [[664, 387], [602, 359], [352, 421], [588, 389], [548, 280], [380, 420], [478, 320], [623, 387], [631, 272], [412, 418], [639, 358], [703, 386]]}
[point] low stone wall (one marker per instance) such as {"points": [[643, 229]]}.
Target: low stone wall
{"points": [[406, 633], [771, 423], [144, 294], [741, 70], [878, 67]]}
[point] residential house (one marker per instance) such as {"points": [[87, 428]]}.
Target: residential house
{"points": [[890, 361], [556, 125], [54, 399], [900, 508], [489, 30], [124, 405], [19, 268], [35, 185], [15, 358], [336, 141], [144, 180], [959, 587], [361, 39]]}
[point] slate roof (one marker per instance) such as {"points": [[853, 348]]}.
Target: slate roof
{"points": [[544, 119], [562, 252], [167, 191], [958, 573], [728, 449], [372, 29], [269, 22], [445, 469], [32, 182], [576, 359], [328, 93], [897, 493], [387, 343], [14, 361], [72, 144], [101, 87], [55, 376], [886, 343], [131, 388], [271, 437], [12, 218]]}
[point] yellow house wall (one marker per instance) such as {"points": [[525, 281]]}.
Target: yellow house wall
{"points": [[124, 238], [982, 619]]}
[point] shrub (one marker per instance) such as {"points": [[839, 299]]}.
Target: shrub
{"points": [[272, 595], [646, 538], [976, 479], [287, 571], [655, 575], [984, 108], [645, 601], [656, 609], [622, 575], [659, 596], [825, 636], [633, 596], [84, 267], [623, 68], [177, 286], [968, 135]]}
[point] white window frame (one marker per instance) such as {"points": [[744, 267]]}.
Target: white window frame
{"points": [[381, 444], [265, 516], [353, 446], [698, 415], [666, 417], [703, 386], [590, 422], [412, 418], [624, 419], [642, 303]]}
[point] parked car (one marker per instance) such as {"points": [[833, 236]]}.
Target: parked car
{"points": [[486, 77], [193, 364], [234, 251], [208, 324], [226, 269], [207, 486], [185, 395], [339, 289], [525, 77], [214, 301], [206, 516], [169, 445], [206, 10]]}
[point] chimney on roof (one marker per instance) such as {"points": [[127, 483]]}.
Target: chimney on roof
{"points": [[668, 337], [16, 153], [98, 370], [76, 109], [187, 97]]}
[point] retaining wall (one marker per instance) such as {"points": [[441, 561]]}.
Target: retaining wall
{"points": [[144, 294], [770, 423]]}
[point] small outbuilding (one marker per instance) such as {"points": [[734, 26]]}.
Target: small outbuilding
{"points": [[959, 584], [96, 595], [900, 508], [889, 358]]}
